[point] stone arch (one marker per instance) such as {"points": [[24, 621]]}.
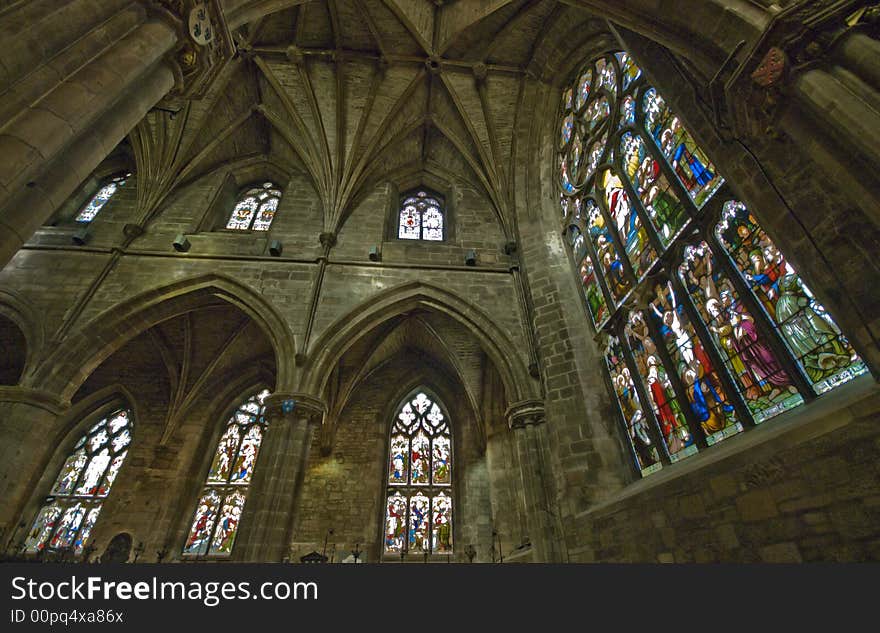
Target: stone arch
{"points": [[22, 334], [75, 359], [345, 331], [70, 424]]}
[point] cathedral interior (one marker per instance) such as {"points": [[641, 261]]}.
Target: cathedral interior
{"points": [[440, 280]]}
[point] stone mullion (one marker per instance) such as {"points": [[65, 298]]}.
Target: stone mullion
{"points": [[677, 385], [647, 409], [686, 301], [762, 321]]}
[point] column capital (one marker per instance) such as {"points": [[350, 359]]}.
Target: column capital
{"points": [[204, 44], [297, 404], [525, 413]]}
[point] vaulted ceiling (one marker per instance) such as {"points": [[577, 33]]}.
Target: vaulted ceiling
{"points": [[358, 92]]}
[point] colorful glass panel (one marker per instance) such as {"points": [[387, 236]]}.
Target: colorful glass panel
{"points": [[693, 168], [100, 199], [674, 430], [419, 520], [760, 377], [418, 508], [646, 454], [218, 513], [658, 198], [399, 461], [255, 209], [616, 276], [227, 526], [629, 227], [823, 352], [70, 511], [421, 218], [395, 523], [441, 523]]}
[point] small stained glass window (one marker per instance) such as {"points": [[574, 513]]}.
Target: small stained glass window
{"points": [[218, 510], [101, 198], [255, 208], [418, 506], [71, 510], [421, 217]]}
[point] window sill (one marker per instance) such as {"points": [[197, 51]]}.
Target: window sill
{"points": [[789, 429]]}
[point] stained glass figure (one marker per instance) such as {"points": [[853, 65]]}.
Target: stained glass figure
{"points": [[658, 198], [218, 512], [421, 217], [656, 382], [592, 291], [693, 168], [761, 378], [644, 449], [75, 500], [817, 343], [418, 508], [615, 275], [101, 198], [705, 393], [633, 236], [255, 208]]}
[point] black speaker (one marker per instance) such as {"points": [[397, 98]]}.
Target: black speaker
{"points": [[375, 256], [276, 248], [181, 244], [82, 236], [470, 259]]}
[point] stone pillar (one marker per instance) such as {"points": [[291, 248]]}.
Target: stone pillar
{"points": [[70, 117], [526, 420], [29, 421], [267, 523]]}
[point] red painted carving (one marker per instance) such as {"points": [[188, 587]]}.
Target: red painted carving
{"points": [[771, 68]]}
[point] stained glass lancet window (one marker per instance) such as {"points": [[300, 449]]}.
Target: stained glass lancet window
{"points": [[101, 198], [709, 329], [71, 510], [418, 508], [421, 217], [218, 511], [255, 208]]}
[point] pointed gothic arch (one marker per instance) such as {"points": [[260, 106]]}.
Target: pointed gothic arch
{"points": [[75, 359]]}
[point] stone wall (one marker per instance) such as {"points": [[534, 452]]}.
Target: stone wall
{"points": [[802, 488]]}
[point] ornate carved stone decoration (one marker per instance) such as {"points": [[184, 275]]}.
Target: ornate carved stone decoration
{"points": [[205, 44], [771, 68]]}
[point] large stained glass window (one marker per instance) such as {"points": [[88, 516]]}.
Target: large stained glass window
{"points": [[255, 208], [709, 330], [221, 502], [421, 217], [101, 198], [71, 510], [418, 508]]}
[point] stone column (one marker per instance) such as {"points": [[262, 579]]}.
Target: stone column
{"points": [[63, 118], [271, 506], [29, 421], [526, 420]]}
